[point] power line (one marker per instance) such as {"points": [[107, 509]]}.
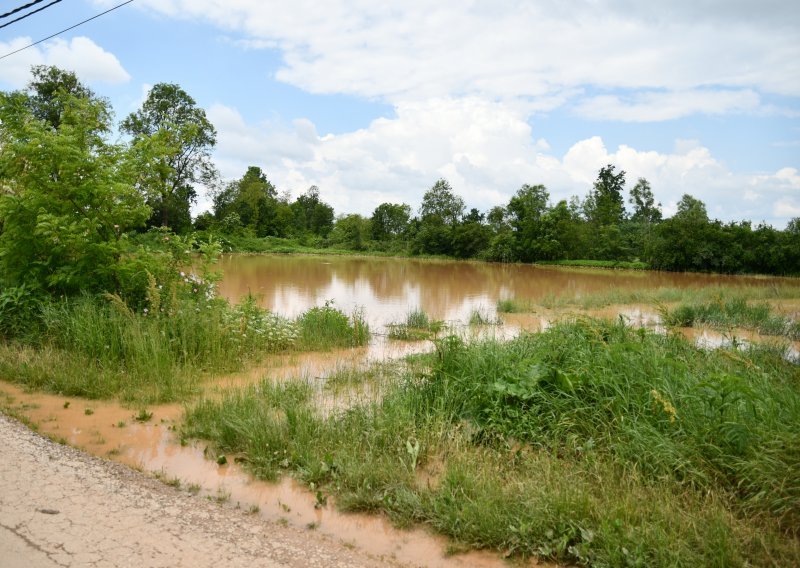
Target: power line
{"points": [[66, 29], [15, 10], [23, 16]]}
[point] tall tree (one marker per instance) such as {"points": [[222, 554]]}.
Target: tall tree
{"points": [[49, 89], [440, 204], [311, 214], [526, 210], [645, 209], [604, 204], [390, 220], [172, 127]]}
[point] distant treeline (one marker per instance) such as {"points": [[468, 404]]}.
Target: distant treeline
{"points": [[530, 228]]}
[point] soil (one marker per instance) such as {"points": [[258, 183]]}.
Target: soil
{"points": [[62, 507]]}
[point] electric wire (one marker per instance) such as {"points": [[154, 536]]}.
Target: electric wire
{"points": [[66, 29], [20, 8], [23, 16]]}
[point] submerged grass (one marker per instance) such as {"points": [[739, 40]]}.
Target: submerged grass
{"points": [[654, 296], [590, 443], [325, 327], [416, 327], [733, 313]]}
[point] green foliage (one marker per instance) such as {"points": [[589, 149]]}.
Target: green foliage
{"points": [[416, 327], [589, 444], [67, 204], [173, 140], [325, 327], [735, 312], [390, 220]]}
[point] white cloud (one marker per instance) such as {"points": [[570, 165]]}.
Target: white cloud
{"points": [[88, 60], [652, 106], [698, 56], [486, 151]]}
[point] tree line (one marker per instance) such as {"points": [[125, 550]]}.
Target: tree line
{"points": [[530, 228], [83, 209]]}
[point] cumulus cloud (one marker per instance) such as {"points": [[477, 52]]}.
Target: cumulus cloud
{"points": [[545, 51], [487, 151], [88, 60]]}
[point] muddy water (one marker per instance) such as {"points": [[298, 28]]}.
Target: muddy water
{"points": [[110, 430], [387, 288]]}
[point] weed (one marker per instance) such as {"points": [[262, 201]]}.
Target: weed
{"points": [[482, 317], [254, 509], [416, 327], [193, 488], [143, 415], [66, 404], [88, 411]]}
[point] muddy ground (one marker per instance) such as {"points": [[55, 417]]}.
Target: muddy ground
{"points": [[62, 507]]}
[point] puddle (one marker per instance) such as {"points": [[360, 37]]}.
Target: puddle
{"points": [[111, 431]]}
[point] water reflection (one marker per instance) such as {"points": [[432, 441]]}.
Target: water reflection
{"points": [[387, 288]]}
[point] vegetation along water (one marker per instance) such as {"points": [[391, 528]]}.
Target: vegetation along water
{"points": [[567, 436]]}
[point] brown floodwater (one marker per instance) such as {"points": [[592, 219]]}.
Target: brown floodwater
{"points": [[108, 429], [388, 288]]}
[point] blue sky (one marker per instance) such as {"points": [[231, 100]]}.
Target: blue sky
{"points": [[373, 102]]}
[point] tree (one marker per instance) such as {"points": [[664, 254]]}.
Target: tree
{"points": [[351, 231], [645, 209], [174, 139], [67, 201], [526, 210], [49, 89], [312, 215], [390, 220], [604, 204], [253, 198], [440, 205]]}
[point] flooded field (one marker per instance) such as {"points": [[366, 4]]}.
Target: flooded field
{"points": [[386, 290]]}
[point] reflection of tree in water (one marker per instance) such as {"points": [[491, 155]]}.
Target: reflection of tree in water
{"points": [[439, 287]]}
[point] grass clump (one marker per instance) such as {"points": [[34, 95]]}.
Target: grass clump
{"points": [[482, 317], [513, 306], [417, 326], [590, 443], [324, 327]]}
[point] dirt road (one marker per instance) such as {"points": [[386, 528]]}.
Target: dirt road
{"points": [[62, 507]]}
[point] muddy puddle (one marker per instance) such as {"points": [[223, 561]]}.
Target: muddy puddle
{"points": [[112, 431]]}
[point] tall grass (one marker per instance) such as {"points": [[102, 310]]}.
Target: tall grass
{"points": [[324, 327], [590, 443]]}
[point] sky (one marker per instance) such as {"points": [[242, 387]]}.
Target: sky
{"points": [[374, 101]]}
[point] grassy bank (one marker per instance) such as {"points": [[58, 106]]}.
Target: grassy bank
{"points": [[589, 443], [618, 264], [97, 347]]}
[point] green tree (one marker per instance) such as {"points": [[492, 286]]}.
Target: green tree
{"points": [[174, 140], [49, 89], [351, 232], [441, 205], [390, 220], [645, 209], [526, 210], [604, 204], [311, 214], [440, 213], [67, 200]]}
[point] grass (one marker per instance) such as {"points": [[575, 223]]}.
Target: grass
{"points": [[590, 443], [622, 264], [653, 296], [733, 313], [482, 317], [324, 328], [96, 348], [416, 327]]}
